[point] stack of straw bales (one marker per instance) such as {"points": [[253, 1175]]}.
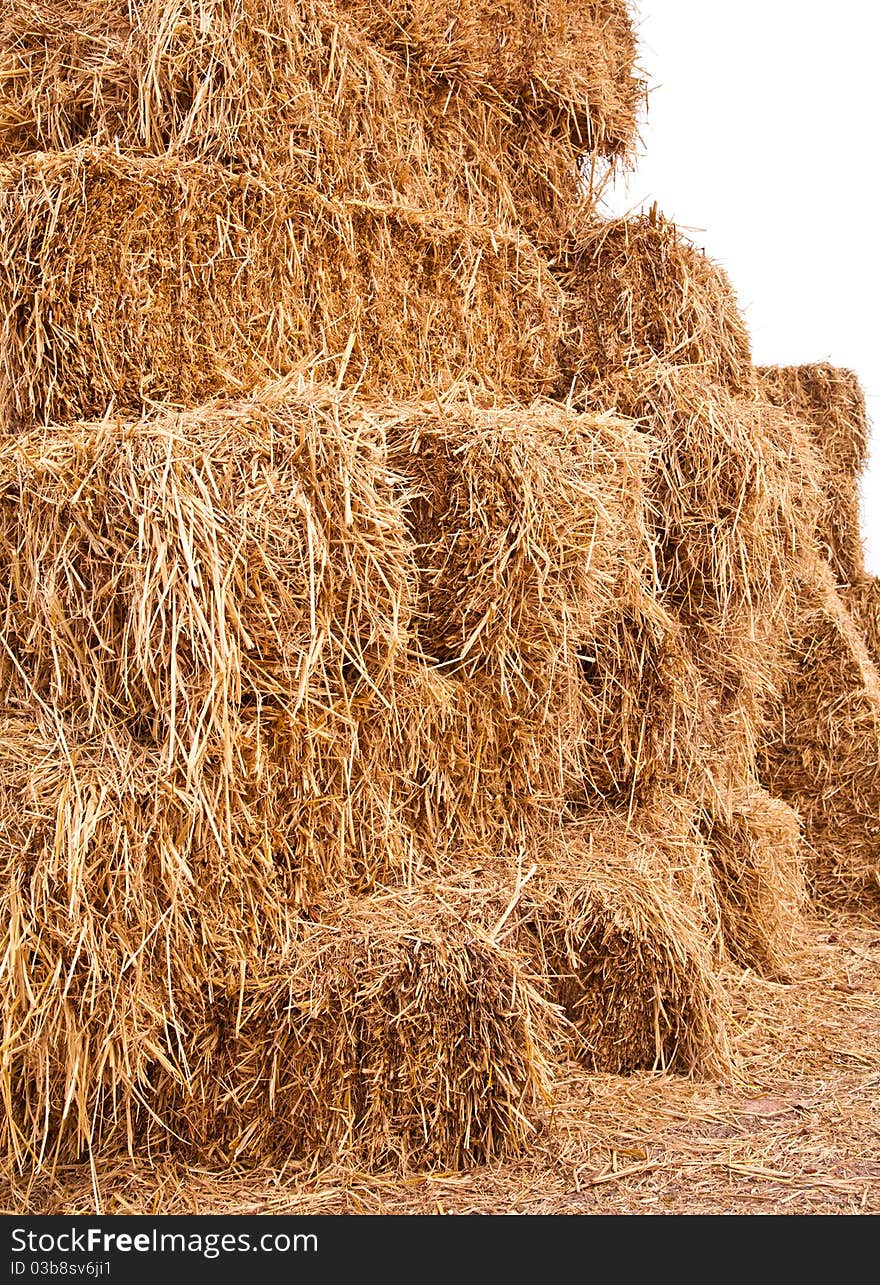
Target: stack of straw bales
{"points": [[407, 582]]}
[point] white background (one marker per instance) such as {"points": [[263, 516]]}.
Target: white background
{"points": [[761, 140]]}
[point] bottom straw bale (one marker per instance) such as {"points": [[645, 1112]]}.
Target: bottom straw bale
{"points": [[757, 859], [630, 961], [410, 1038], [129, 916]]}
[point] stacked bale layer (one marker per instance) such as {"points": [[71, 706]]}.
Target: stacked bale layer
{"points": [[821, 746]]}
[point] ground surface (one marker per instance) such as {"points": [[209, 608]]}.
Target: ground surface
{"points": [[797, 1131]]}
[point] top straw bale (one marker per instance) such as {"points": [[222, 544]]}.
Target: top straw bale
{"points": [[228, 79], [554, 58]]}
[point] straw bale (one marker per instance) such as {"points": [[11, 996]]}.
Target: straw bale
{"points": [[546, 58], [556, 668], [528, 525], [442, 109], [128, 281], [233, 586], [641, 703], [830, 403], [170, 572], [522, 519], [403, 1035], [757, 860], [821, 747], [625, 949], [862, 599], [126, 911], [735, 490], [212, 74], [641, 293]]}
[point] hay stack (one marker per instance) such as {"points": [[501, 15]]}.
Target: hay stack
{"points": [[831, 405], [821, 749], [381, 707]]}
